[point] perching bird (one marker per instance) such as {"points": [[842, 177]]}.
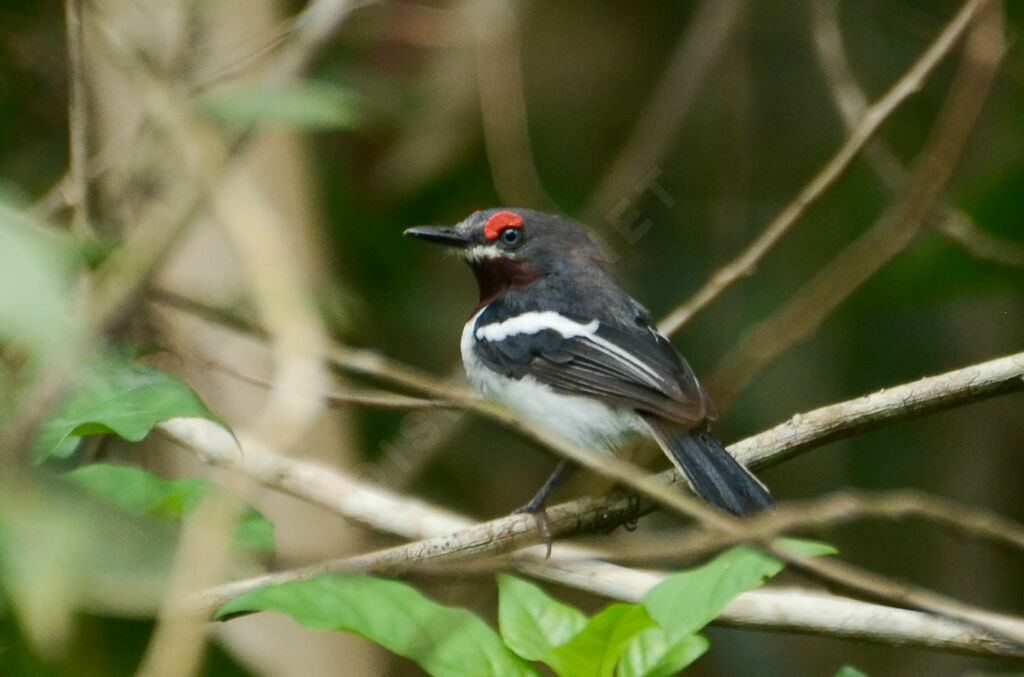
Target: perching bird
{"points": [[557, 340]]}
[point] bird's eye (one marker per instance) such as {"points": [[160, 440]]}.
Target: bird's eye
{"points": [[511, 237]]}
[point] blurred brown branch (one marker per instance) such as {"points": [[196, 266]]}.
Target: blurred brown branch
{"points": [[846, 506], [694, 58], [370, 364], [503, 106], [78, 121], [889, 405], [851, 101], [796, 610], [801, 315], [801, 433], [873, 118]]}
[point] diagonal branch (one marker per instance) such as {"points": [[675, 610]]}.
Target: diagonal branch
{"points": [[747, 261], [801, 315], [801, 433], [781, 610], [695, 56], [849, 98], [839, 508], [971, 383], [78, 121]]}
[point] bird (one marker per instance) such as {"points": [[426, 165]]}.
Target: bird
{"points": [[558, 341]]}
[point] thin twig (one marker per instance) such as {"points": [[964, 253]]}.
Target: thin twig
{"points": [[896, 228], [374, 365], [802, 432], [365, 398], [795, 610], [503, 106], [77, 194], [961, 229], [876, 115], [175, 648], [885, 407], [517, 531], [851, 101], [839, 508], [694, 58], [412, 518]]}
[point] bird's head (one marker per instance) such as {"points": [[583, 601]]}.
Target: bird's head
{"points": [[508, 248]]}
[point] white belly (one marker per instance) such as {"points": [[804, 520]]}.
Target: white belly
{"points": [[583, 420]]}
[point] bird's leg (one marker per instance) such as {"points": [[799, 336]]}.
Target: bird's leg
{"points": [[536, 504]]}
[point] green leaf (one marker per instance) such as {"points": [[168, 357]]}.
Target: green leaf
{"points": [[531, 623], [444, 641], [62, 552], [308, 105], [685, 602], [116, 396], [596, 650], [848, 671], [142, 493], [35, 284], [653, 654], [806, 548]]}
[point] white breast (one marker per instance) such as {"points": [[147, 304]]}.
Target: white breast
{"points": [[583, 420]]}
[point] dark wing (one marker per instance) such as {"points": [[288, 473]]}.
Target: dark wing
{"points": [[630, 367]]}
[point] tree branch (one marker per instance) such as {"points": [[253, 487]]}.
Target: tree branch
{"points": [[747, 261], [78, 121], [800, 316], [789, 611], [852, 104], [980, 382], [839, 508], [693, 59]]}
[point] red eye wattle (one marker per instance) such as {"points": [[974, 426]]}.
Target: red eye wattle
{"points": [[500, 221]]}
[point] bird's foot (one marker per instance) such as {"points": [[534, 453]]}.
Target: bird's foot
{"points": [[540, 514]]}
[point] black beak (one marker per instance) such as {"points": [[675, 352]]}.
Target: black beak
{"points": [[439, 234]]}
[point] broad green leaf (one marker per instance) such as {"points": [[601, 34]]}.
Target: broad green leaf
{"points": [[596, 650], [35, 284], [531, 623], [806, 548], [142, 493], [61, 552], [308, 105], [444, 641], [848, 671], [116, 396], [653, 654], [685, 602]]}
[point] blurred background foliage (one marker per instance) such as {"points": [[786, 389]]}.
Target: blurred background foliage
{"points": [[393, 129]]}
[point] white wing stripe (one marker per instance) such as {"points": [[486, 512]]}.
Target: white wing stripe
{"points": [[638, 366], [534, 322], [537, 321]]}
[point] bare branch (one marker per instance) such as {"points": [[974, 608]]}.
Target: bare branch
{"points": [[800, 316], [802, 432], [411, 518], [370, 364], [694, 57], [852, 103], [960, 228], [746, 262], [78, 121], [889, 405], [842, 507], [365, 398], [503, 106]]}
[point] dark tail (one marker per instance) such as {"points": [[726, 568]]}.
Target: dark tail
{"points": [[713, 473]]}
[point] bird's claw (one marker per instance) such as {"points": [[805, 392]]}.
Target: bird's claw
{"points": [[540, 514]]}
